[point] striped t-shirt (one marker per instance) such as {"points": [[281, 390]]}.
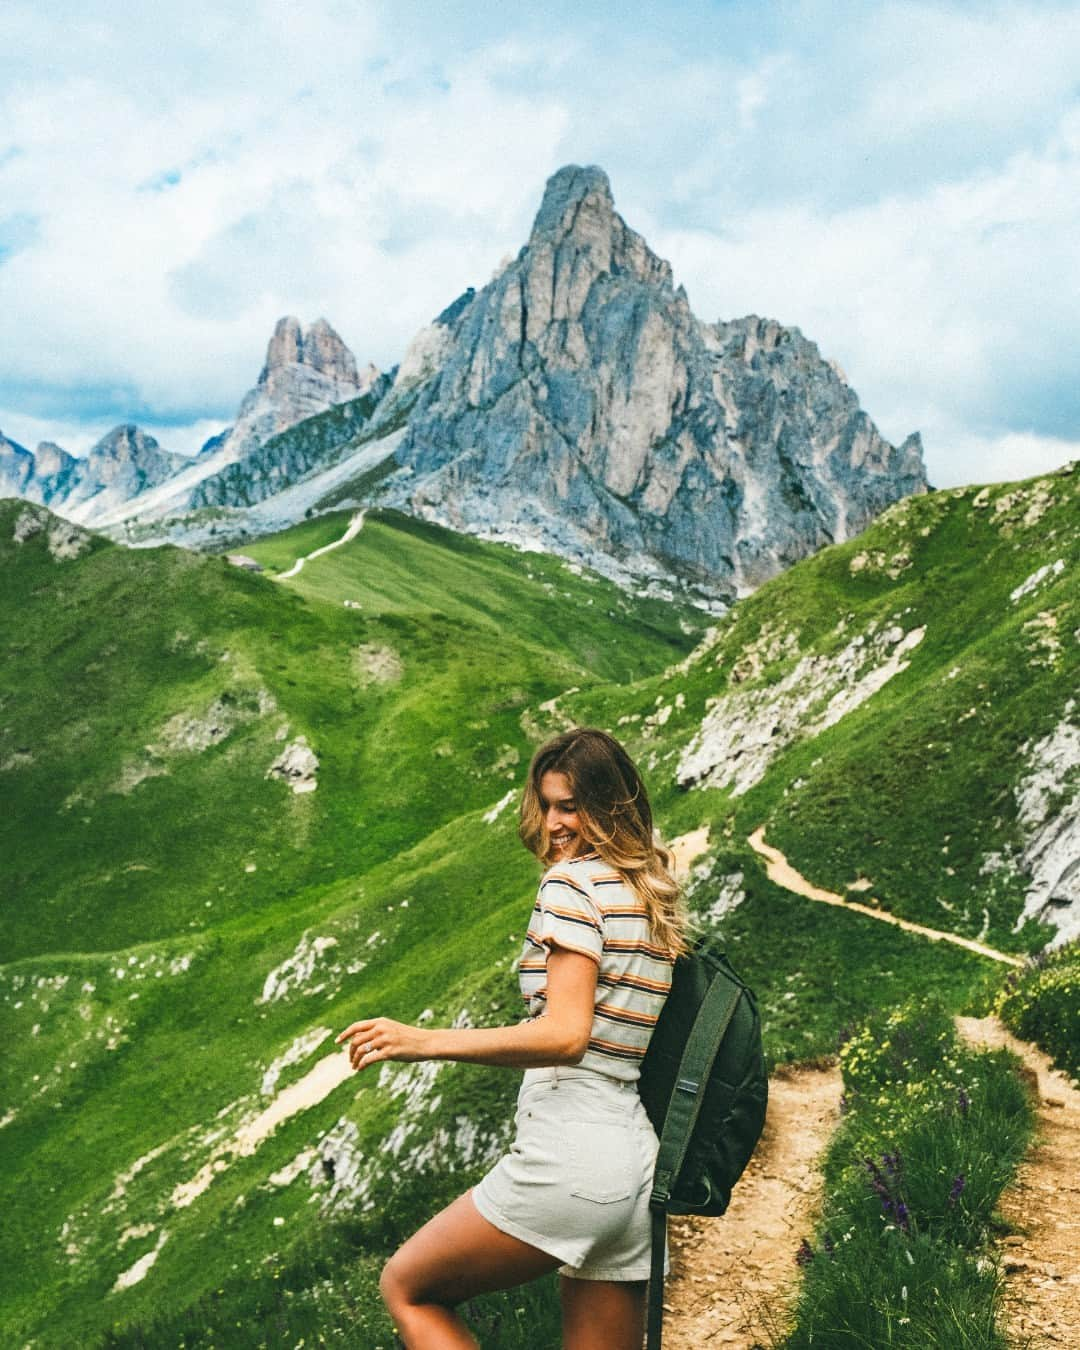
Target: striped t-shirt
{"points": [[585, 905]]}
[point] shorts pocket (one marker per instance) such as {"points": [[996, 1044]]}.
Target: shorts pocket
{"points": [[603, 1161]]}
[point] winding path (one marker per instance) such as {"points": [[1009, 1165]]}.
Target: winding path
{"points": [[356, 524], [779, 870], [733, 1281]]}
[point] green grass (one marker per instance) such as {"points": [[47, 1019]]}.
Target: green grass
{"points": [[215, 875], [903, 1253], [1042, 1004], [914, 787]]}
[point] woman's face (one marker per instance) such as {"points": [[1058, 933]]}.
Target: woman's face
{"points": [[560, 815]]}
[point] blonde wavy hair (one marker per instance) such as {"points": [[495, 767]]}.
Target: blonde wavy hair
{"points": [[616, 820]]}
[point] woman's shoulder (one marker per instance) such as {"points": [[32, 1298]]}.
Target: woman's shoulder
{"points": [[584, 873]]}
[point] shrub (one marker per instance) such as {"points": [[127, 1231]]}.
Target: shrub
{"points": [[1042, 1004]]}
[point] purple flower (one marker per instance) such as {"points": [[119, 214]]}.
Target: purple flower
{"points": [[902, 1216], [957, 1187], [805, 1254], [892, 1164]]}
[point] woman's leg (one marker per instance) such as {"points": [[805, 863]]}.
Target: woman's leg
{"points": [[455, 1255], [603, 1314]]}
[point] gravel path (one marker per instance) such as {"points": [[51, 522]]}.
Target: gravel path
{"points": [[731, 1277]]}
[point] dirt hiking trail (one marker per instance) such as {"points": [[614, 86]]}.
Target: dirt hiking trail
{"points": [[1042, 1259], [734, 1279], [356, 524], [731, 1277], [780, 871]]}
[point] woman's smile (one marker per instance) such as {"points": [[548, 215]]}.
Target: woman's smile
{"points": [[560, 815]]}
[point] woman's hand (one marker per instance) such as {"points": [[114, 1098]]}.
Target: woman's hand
{"points": [[381, 1038]]}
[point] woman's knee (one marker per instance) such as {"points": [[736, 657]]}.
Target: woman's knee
{"points": [[392, 1286]]}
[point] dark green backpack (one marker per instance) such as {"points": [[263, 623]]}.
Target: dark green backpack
{"points": [[704, 1086]]}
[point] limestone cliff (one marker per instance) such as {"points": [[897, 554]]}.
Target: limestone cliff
{"points": [[577, 400]]}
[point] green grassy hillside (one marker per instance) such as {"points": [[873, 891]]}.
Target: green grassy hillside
{"points": [[877, 706], [178, 920], [185, 934]]}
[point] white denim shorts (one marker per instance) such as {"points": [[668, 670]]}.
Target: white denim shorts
{"points": [[577, 1179]]}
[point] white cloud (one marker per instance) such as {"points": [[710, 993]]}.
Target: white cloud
{"points": [[898, 179], [947, 308], [963, 458]]}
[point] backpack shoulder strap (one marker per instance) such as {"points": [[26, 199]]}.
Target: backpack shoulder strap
{"points": [[714, 1015]]}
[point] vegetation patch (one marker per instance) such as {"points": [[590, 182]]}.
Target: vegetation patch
{"points": [[931, 1135], [1042, 1004]]}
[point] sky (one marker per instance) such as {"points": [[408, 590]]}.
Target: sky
{"points": [[900, 181]]}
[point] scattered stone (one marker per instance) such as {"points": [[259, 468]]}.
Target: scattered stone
{"points": [[297, 765]]}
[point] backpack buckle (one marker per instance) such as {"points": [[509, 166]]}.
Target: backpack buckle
{"points": [[687, 1085]]}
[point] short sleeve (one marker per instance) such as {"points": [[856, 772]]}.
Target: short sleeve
{"points": [[566, 916]]}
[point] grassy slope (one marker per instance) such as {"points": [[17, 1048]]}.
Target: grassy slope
{"points": [[406, 772], [149, 919], [914, 787], [900, 790]]}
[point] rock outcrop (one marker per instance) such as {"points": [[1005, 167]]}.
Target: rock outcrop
{"points": [[577, 401], [122, 464], [306, 371]]}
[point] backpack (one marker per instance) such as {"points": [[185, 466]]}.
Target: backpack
{"points": [[704, 1087]]}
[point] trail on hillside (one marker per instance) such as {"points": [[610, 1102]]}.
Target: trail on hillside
{"points": [[779, 870], [356, 524], [733, 1278], [1042, 1259]]}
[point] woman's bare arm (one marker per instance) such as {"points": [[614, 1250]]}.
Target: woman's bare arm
{"points": [[559, 1036]]}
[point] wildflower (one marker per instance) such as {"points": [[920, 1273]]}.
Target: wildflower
{"points": [[963, 1102], [902, 1216], [957, 1187], [877, 1181], [805, 1254]]}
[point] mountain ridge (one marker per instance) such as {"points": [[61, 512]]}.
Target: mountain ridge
{"points": [[574, 404]]}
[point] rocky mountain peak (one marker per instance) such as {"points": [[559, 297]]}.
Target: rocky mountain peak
{"points": [[566, 192], [126, 441], [51, 458], [577, 401], [318, 346], [577, 236]]}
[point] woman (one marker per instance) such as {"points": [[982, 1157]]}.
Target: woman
{"points": [[573, 1192]]}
